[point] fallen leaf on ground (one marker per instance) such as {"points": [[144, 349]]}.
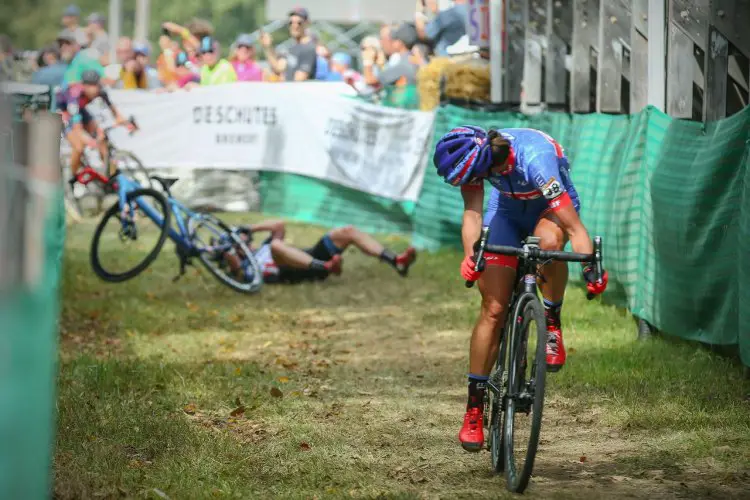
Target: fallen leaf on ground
{"points": [[191, 306], [582, 459], [267, 343], [276, 392], [237, 370], [619, 479], [571, 350], [237, 411], [283, 380], [190, 409], [303, 446]]}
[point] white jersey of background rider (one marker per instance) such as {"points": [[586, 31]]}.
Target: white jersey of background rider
{"points": [[540, 167]]}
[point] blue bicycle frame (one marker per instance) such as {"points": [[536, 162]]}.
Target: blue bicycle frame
{"points": [[181, 236]]}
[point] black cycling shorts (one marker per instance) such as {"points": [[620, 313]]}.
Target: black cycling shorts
{"points": [[323, 250]]}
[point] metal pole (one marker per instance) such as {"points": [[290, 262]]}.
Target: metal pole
{"points": [[115, 28], [142, 11], [497, 35], [657, 53]]}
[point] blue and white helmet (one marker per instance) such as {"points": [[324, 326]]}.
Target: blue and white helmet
{"points": [[462, 154]]}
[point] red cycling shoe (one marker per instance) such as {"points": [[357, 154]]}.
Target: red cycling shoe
{"points": [[555, 349], [472, 433], [405, 260]]}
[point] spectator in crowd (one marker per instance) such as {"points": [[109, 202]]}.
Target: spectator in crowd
{"points": [[78, 60], [166, 63], [136, 73], [214, 69], [190, 37], [98, 37], [7, 71], [142, 55], [386, 40], [124, 50], [420, 54], [300, 63], [341, 69], [51, 68], [70, 17], [243, 60], [399, 71], [446, 28], [323, 64], [185, 71]]}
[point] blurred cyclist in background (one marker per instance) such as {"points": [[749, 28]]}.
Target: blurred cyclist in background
{"points": [[80, 128]]}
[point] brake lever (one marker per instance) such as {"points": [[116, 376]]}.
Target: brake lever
{"points": [[479, 262]]}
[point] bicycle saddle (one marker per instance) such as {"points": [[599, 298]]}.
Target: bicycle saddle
{"points": [[167, 182]]}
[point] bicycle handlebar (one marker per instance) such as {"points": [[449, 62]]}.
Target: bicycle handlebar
{"points": [[532, 252]]}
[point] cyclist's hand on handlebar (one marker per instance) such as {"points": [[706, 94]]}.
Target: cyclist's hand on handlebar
{"points": [[595, 286], [467, 269]]}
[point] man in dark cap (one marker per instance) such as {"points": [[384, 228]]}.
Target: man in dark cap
{"points": [[70, 17], [300, 63]]}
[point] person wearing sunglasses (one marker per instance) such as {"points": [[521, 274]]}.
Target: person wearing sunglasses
{"points": [[532, 194], [301, 61]]}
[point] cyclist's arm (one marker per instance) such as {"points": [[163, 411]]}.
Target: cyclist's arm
{"points": [[119, 119], [471, 228], [275, 227], [545, 173], [571, 223]]}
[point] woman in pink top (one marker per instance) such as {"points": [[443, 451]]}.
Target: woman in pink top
{"points": [[247, 69]]}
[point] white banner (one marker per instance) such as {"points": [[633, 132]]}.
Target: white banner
{"points": [[301, 128]]}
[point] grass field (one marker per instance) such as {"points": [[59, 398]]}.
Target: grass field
{"points": [[356, 387]]}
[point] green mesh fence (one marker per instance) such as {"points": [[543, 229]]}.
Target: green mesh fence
{"points": [[28, 347], [670, 198], [320, 202]]}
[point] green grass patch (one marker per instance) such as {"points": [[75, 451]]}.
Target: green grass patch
{"points": [[355, 387]]}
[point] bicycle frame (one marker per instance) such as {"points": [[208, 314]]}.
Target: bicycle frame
{"points": [[182, 214]]}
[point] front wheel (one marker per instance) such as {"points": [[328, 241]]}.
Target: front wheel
{"points": [[527, 371], [225, 254], [137, 230]]}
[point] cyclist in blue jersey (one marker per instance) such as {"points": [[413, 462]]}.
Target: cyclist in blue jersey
{"points": [[532, 194]]}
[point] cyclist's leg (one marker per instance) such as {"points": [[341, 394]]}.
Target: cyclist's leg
{"points": [[95, 131], [75, 139], [337, 240], [495, 285], [553, 237], [289, 256]]}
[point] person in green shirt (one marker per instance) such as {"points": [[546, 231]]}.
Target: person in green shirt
{"points": [[215, 70], [80, 61]]}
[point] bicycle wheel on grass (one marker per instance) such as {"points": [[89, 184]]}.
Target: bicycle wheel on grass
{"points": [[136, 237], [526, 378], [225, 254]]}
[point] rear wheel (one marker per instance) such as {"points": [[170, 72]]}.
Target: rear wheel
{"points": [[526, 378], [225, 254], [127, 241]]}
